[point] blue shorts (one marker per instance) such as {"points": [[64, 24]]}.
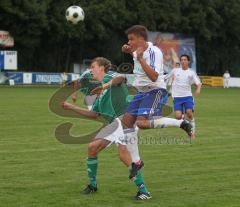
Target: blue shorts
{"points": [[183, 103], [148, 103]]}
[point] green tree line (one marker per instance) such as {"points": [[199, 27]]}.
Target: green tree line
{"points": [[46, 42]]}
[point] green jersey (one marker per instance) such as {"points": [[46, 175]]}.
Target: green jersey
{"points": [[113, 101], [87, 84]]}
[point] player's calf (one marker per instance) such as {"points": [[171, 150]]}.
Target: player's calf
{"points": [[135, 167]]}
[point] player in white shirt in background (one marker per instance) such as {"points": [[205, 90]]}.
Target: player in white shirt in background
{"points": [[226, 77], [181, 90]]}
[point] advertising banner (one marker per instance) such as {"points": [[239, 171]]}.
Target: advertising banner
{"points": [[173, 46], [8, 60], [27, 78]]}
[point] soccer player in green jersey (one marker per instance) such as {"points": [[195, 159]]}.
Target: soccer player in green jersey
{"points": [[110, 105]]}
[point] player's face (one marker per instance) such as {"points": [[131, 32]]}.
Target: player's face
{"points": [[134, 41], [96, 70], [184, 62]]}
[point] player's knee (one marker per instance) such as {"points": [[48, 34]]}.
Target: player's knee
{"points": [[190, 115], [142, 124], [178, 116], [92, 149]]}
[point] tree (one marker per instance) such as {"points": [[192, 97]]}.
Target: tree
{"points": [[46, 42]]}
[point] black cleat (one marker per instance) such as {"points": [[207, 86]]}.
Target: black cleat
{"points": [[187, 127], [88, 190], [135, 168], [142, 196]]}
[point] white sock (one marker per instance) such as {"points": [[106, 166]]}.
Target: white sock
{"points": [[132, 143], [192, 122], [165, 122]]}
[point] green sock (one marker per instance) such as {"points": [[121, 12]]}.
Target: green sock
{"points": [[92, 164], [139, 181]]}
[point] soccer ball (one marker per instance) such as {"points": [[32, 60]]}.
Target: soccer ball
{"points": [[74, 14]]}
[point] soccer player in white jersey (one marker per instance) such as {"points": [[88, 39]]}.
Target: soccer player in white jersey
{"points": [[145, 108], [181, 90]]}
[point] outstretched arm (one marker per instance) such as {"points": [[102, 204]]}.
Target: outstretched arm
{"points": [[114, 82], [76, 85], [81, 111]]}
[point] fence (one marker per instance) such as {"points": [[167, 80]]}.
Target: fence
{"points": [[34, 78], [217, 81], [214, 81], [19, 78]]}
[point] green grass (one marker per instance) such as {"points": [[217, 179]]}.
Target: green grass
{"points": [[37, 170]]}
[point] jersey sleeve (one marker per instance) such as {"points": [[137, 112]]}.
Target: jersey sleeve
{"points": [[195, 79], [95, 107], [156, 60]]}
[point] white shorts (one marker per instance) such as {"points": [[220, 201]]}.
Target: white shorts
{"points": [[113, 132]]}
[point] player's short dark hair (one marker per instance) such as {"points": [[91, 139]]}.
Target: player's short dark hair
{"points": [[101, 61], [137, 30], [185, 55]]}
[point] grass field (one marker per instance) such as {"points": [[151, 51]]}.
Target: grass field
{"points": [[37, 170]]}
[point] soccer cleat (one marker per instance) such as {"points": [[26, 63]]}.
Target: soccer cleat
{"points": [[142, 196], [187, 127], [88, 190], [135, 168]]}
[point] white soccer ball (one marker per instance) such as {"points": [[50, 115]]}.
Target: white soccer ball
{"points": [[74, 14]]}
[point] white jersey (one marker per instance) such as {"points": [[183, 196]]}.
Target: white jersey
{"points": [[154, 58], [226, 75], [182, 82]]}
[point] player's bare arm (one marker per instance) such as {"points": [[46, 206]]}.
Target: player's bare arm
{"points": [[152, 75], [127, 49], [81, 111], [74, 96], [114, 82], [198, 89]]}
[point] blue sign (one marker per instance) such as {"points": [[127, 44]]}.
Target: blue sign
{"points": [[39, 78], [44, 78], [16, 76]]}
